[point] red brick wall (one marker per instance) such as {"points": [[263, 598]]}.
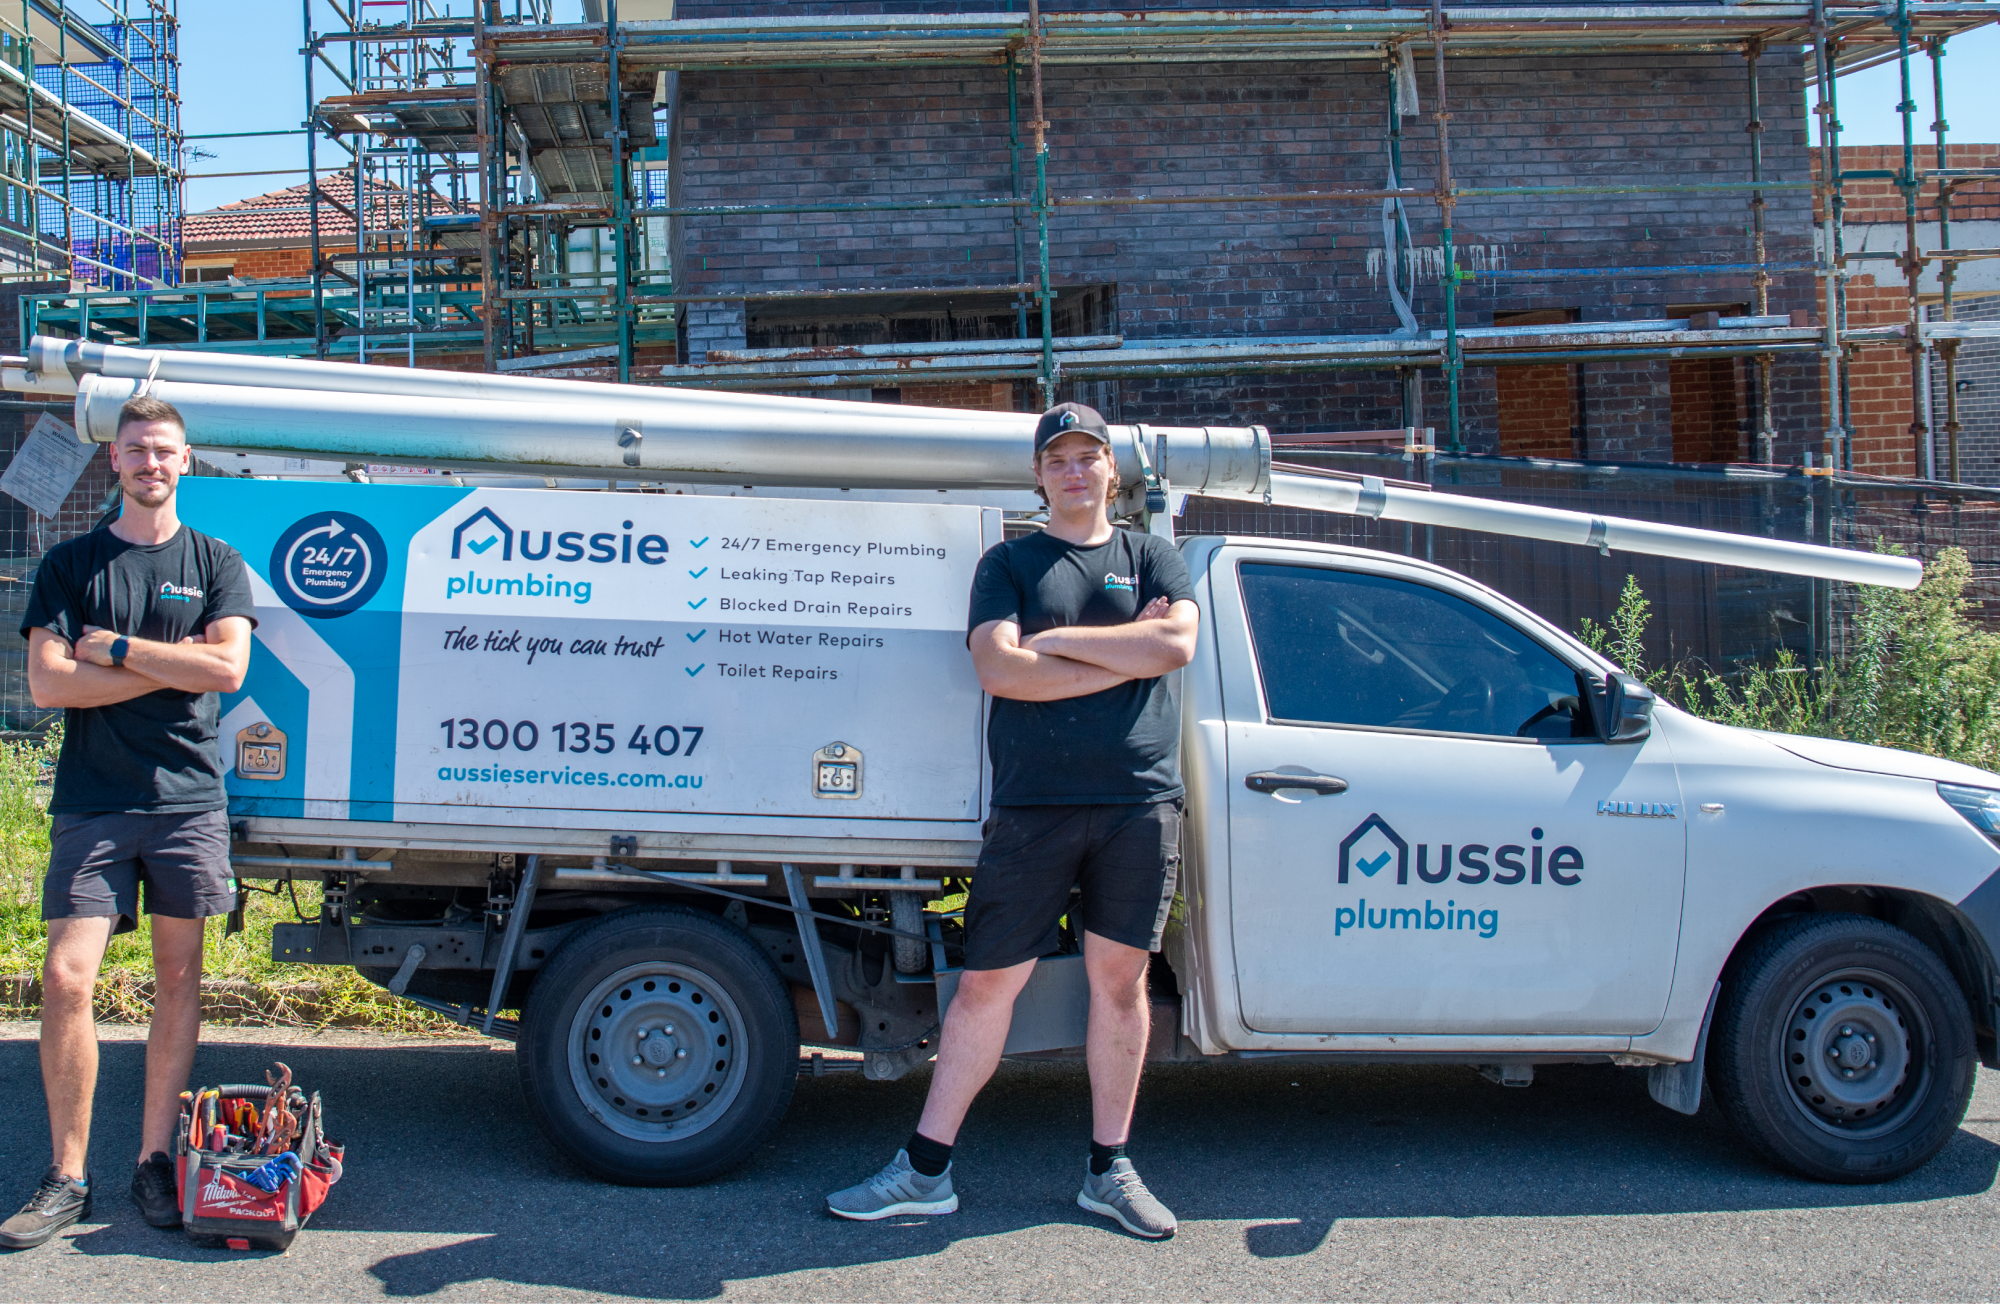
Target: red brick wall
{"points": [[980, 396], [1535, 414], [1704, 404], [1879, 201], [1879, 383]]}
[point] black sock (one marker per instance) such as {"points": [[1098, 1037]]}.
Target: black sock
{"points": [[1102, 1157], [928, 1157]]}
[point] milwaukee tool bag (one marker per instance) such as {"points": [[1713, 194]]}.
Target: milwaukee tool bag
{"points": [[253, 1163]]}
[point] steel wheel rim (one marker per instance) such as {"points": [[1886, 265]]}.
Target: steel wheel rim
{"points": [[687, 1036], [1855, 1053]]}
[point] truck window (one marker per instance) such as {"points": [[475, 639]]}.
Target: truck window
{"points": [[1339, 648]]}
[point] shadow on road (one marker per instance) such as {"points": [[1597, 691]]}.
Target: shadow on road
{"points": [[439, 1143]]}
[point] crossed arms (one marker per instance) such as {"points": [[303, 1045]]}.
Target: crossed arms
{"points": [[59, 675], [1082, 659]]}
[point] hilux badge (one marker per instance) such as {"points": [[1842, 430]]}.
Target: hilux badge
{"points": [[1655, 810]]}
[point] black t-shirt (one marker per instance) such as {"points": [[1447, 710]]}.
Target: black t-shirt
{"points": [[155, 754], [1118, 746]]}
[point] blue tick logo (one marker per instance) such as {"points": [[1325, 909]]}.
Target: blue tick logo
{"points": [[1371, 847]]}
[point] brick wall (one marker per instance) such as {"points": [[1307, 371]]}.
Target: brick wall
{"points": [[1880, 201], [1536, 411], [980, 396], [1879, 375], [1184, 271], [1977, 376]]}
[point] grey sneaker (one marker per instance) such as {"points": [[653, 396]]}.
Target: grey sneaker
{"points": [[56, 1203], [898, 1188], [1120, 1194]]}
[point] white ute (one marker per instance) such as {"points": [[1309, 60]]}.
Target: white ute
{"points": [[1424, 824]]}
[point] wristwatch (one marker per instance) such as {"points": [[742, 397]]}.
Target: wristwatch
{"points": [[119, 647]]}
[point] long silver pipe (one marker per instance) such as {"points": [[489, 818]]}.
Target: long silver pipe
{"points": [[56, 365], [1370, 497], [656, 435], [660, 434]]}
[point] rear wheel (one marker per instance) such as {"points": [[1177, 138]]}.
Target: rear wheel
{"points": [[658, 1046], [1843, 1049]]}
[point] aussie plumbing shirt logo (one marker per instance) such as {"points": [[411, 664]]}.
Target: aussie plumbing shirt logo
{"points": [[498, 560], [1374, 848]]}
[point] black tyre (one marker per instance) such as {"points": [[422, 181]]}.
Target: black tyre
{"points": [[658, 1046], [1842, 1050]]}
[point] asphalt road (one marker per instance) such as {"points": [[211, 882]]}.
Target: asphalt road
{"points": [[1290, 1182]]}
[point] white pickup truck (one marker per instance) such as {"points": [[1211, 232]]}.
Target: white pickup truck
{"points": [[1425, 825], [690, 779]]}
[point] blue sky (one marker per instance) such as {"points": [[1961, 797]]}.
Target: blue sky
{"points": [[241, 71]]}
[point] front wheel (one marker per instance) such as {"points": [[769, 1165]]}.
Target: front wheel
{"points": [[1843, 1050], [658, 1046]]}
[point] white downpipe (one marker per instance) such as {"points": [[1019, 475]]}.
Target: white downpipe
{"points": [[1389, 503], [54, 365]]}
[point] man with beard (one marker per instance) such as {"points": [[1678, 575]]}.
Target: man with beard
{"points": [[132, 629]]}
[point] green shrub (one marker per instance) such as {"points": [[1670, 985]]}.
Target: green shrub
{"points": [[1919, 674]]}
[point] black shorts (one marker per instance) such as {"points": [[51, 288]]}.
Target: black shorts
{"points": [[97, 862], [1126, 858]]}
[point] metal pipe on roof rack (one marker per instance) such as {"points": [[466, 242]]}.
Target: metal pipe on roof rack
{"points": [[50, 357], [834, 445], [1359, 497]]}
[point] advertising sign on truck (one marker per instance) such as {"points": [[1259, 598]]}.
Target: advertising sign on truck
{"points": [[442, 654]]}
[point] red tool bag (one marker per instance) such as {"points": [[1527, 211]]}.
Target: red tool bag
{"points": [[253, 1163]]}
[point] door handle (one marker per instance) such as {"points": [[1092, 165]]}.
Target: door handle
{"points": [[1271, 781]]}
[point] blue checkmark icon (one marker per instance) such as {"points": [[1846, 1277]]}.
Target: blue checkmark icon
{"points": [[698, 542], [1373, 867], [695, 670], [695, 575], [696, 637], [696, 606], [481, 547]]}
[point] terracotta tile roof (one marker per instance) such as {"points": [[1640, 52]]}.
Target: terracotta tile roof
{"points": [[285, 215]]}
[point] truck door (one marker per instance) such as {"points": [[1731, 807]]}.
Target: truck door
{"points": [[1485, 864]]}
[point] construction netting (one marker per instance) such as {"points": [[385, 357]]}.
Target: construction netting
{"points": [[1719, 616]]}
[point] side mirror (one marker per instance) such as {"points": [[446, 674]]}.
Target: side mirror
{"points": [[1625, 709]]}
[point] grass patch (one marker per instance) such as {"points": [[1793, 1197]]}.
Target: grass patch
{"points": [[240, 983]]}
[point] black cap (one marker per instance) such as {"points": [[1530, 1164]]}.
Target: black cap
{"points": [[1070, 418]]}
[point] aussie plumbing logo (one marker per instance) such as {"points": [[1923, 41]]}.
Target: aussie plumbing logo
{"points": [[500, 561], [326, 565], [1374, 848]]}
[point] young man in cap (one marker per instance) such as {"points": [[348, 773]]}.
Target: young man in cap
{"points": [[133, 629], [1076, 631]]}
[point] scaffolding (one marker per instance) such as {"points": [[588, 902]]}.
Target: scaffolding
{"points": [[90, 142], [513, 206]]}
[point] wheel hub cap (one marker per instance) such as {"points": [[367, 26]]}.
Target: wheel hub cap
{"points": [[1847, 1050], [655, 1052]]}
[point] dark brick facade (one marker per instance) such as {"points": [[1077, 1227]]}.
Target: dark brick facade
{"points": [[1194, 270], [1977, 374]]}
